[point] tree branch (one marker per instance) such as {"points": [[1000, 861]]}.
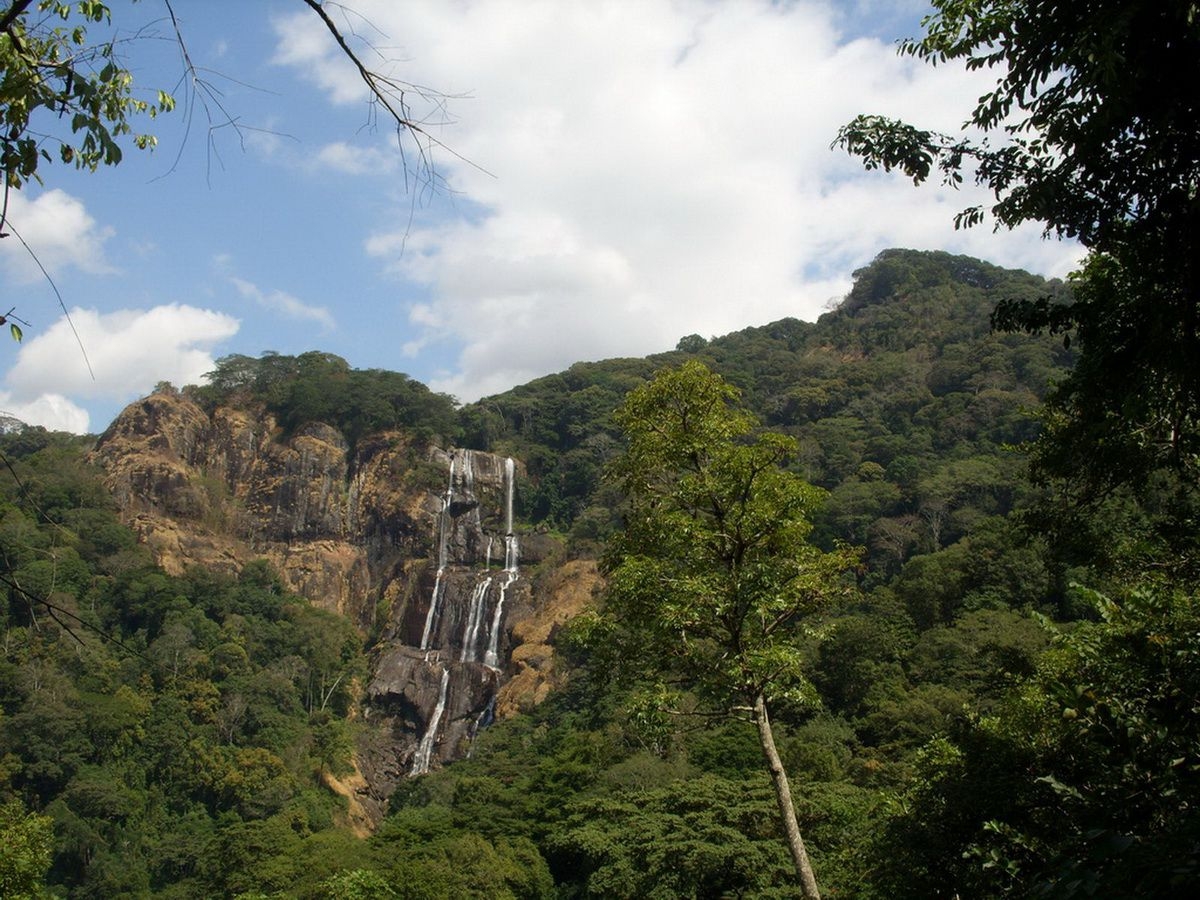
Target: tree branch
{"points": [[390, 94], [18, 7]]}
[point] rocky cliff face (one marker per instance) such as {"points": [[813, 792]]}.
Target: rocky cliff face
{"points": [[219, 490], [416, 545], [439, 670]]}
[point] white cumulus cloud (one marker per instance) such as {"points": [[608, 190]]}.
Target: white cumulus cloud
{"points": [[58, 229], [52, 411], [648, 170], [129, 351]]}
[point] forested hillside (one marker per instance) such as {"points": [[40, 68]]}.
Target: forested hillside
{"points": [[913, 416], [907, 407], [182, 736]]}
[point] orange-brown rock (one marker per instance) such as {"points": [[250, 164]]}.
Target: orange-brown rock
{"points": [[361, 532], [560, 596], [220, 490]]}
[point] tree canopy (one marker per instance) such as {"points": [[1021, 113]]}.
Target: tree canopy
{"points": [[1096, 104], [322, 387], [1081, 782]]}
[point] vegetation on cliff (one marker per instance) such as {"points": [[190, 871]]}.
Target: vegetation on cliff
{"points": [[322, 387]]}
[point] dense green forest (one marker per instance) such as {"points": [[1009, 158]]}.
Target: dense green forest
{"points": [[161, 727], [169, 736]]}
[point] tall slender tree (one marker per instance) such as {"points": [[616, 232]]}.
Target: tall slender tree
{"points": [[713, 574]]}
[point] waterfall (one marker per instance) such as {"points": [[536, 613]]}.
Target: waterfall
{"points": [[468, 472], [491, 659], [467, 595], [444, 519], [508, 494], [474, 620], [511, 555], [443, 552], [512, 552], [425, 749], [433, 605], [468, 479]]}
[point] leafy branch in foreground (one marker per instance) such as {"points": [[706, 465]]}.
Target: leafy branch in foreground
{"points": [[52, 74]]}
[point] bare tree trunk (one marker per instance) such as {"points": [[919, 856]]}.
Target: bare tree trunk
{"points": [[783, 794]]}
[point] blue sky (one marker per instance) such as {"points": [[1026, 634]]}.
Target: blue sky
{"points": [[629, 171]]}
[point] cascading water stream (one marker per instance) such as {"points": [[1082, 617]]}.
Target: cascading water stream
{"points": [[491, 658], [443, 552], [464, 594], [511, 557], [474, 619], [512, 552], [509, 468], [424, 752]]}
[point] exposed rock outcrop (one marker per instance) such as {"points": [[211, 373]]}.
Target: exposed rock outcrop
{"points": [[430, 569], [217, 491], [561, 594]]}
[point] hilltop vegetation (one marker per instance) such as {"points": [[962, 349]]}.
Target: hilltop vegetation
{"points": [[321, 387]]}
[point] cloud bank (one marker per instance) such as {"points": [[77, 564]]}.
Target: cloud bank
{"points": [[652, 170], [129, 351]]}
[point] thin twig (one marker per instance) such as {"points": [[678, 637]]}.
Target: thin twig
{"points": [[389, 93], [62, 304]]}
